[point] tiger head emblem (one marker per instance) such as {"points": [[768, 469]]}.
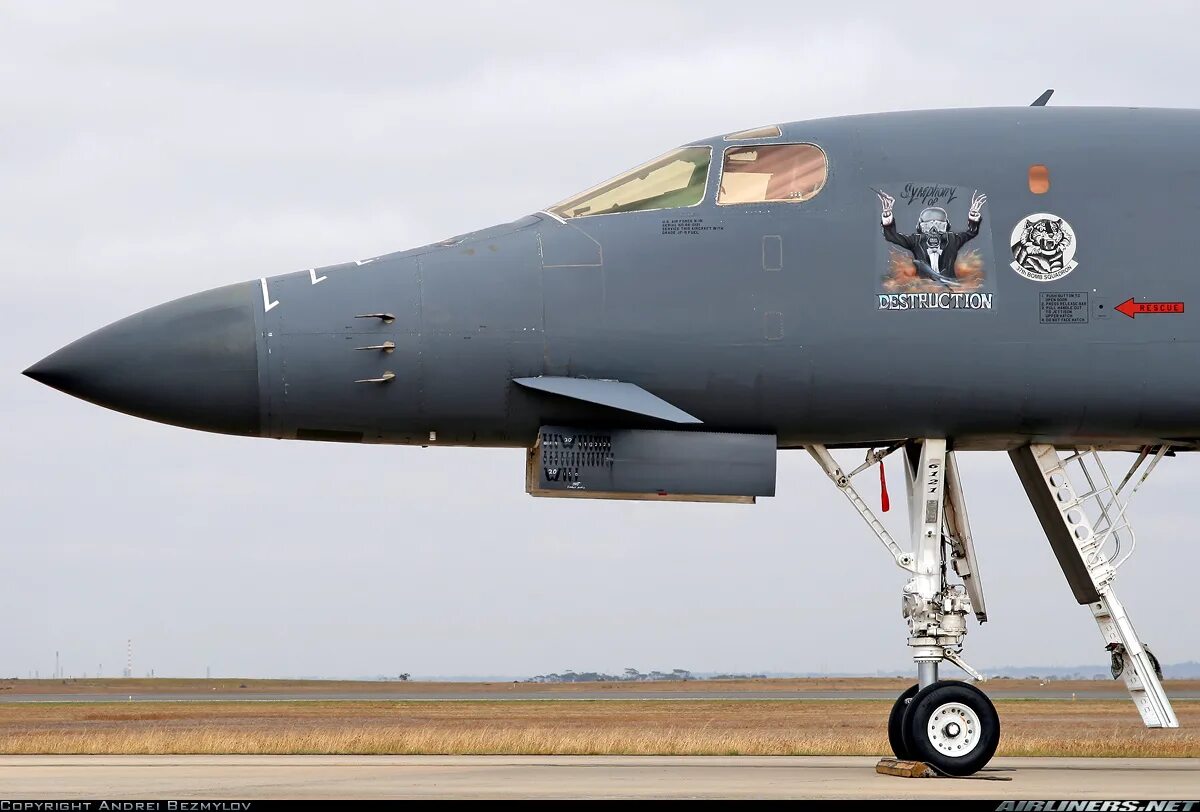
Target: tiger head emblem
{"points": [[1041, 246]]}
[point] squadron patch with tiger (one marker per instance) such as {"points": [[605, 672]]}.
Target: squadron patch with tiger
{"points": [[1043, 247]]}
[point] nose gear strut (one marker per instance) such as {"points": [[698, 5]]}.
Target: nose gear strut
{"points": [[936, 611]]}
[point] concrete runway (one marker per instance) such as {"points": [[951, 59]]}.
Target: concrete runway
{"points": [[533, 696], [250, 777]]}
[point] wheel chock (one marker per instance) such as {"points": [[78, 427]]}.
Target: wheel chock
{"points": [[904, 769]]}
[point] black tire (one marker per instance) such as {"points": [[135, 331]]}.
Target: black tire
{"points": [[941, 719], [895, 722]]}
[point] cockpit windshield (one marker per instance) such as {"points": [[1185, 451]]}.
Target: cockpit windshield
{"points": [[670, 181]]}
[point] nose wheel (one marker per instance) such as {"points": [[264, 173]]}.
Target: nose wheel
{"points": [[896, 723], [950, 725]]}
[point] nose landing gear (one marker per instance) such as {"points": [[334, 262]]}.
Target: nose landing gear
{"points": [[958, 733], [952, 726]]}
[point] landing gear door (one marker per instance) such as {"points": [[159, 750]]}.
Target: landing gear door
{"points": [[962, 547]]}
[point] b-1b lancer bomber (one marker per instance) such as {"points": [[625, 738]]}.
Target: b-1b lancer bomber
{"points": [[913, 283]]}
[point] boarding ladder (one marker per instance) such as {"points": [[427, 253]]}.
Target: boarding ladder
{"points": [[1084, 517]]}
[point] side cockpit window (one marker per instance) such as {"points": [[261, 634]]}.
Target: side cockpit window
{"points": [[670, 181], [785, 173]]}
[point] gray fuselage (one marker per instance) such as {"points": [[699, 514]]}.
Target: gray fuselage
{"points": [[753, 317]]}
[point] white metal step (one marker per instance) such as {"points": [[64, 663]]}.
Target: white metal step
{"points": [[1138, 671], [1093, 518]]}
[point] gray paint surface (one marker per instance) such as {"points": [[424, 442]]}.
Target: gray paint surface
{"points": [[626, 397]]}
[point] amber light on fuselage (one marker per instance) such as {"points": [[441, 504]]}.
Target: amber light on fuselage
{"points": [[1039, 179]]}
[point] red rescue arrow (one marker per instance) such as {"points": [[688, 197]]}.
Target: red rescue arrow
{"points": [[1131, 308]]}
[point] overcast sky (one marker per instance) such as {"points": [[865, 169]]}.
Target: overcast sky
{"points": [[150, 150]]}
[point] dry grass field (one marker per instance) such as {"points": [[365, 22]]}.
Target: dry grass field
{"points": [[160, 685], [664, 727], [299, 688]]}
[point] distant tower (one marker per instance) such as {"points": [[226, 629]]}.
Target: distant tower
{"points": [[57, 667], [129, 658]]}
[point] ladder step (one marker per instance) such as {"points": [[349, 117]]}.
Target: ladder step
{"points": [[1137, 670]]}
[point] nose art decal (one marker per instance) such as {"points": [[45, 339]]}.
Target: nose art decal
{"points": [[933, 247]]}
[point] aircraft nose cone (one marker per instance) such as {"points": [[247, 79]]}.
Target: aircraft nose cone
{"points": [[192, 362]]}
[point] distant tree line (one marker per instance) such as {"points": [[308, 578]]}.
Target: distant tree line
{"points": [[630, 675], [633, 675]]}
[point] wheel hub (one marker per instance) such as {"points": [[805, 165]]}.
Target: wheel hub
{"points": [[954, 729]]}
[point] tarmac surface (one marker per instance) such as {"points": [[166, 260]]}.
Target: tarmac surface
{"points": [[251, 777], [528, 696]]}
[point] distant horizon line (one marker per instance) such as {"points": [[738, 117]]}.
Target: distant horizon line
{"points": [[1085, 671]]}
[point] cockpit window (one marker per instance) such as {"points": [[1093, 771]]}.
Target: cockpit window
{"points": [[670, 181], [788, 173]]}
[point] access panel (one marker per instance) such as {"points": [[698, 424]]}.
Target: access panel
{"points": [[689, 466]]}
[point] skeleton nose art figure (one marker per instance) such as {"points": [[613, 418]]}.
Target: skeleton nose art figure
{"points": [[934, 246]]}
